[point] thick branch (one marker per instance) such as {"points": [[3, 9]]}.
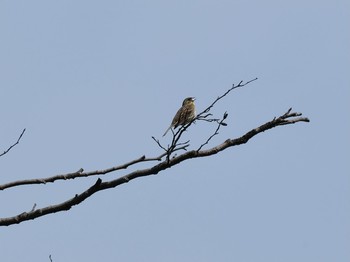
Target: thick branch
{"points": [[285, 119]]}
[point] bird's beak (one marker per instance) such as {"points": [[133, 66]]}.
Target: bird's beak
{"points": [[193, 98]]}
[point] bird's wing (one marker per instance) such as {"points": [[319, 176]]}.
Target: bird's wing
{"points": [[176, 120]]}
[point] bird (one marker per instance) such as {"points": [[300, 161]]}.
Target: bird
{"points": [[184, 115]]}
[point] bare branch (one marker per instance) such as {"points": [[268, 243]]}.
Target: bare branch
{"points": [[220, 123], [285, 119], [159, 144], [33, 208], [201, 116], [19, 138], [241, 84], [78, 174]]}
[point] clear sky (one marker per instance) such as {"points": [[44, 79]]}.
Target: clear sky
{"points": [[92, 81]]}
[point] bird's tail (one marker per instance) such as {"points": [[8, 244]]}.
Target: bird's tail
{"points": [[167, 131]]}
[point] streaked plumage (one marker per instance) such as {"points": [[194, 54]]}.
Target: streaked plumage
{"points": [[184, 115]]}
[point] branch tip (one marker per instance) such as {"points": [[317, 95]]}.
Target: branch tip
{"points": [[16, 143]]}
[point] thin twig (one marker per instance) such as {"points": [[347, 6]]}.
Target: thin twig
{"points": [[241, 84], [220, 123], [159, 144], [33, 208], [19, 138]]}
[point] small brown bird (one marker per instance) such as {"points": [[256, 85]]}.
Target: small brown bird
{"points": [[184, 115]]}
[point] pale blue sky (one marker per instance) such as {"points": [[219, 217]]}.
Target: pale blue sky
{"points": [[92, 81]]}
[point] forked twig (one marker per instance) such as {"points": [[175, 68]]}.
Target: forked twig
{"points": [[202, 116]]}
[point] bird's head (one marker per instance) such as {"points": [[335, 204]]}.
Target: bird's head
{"points": [[188, 100]]}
